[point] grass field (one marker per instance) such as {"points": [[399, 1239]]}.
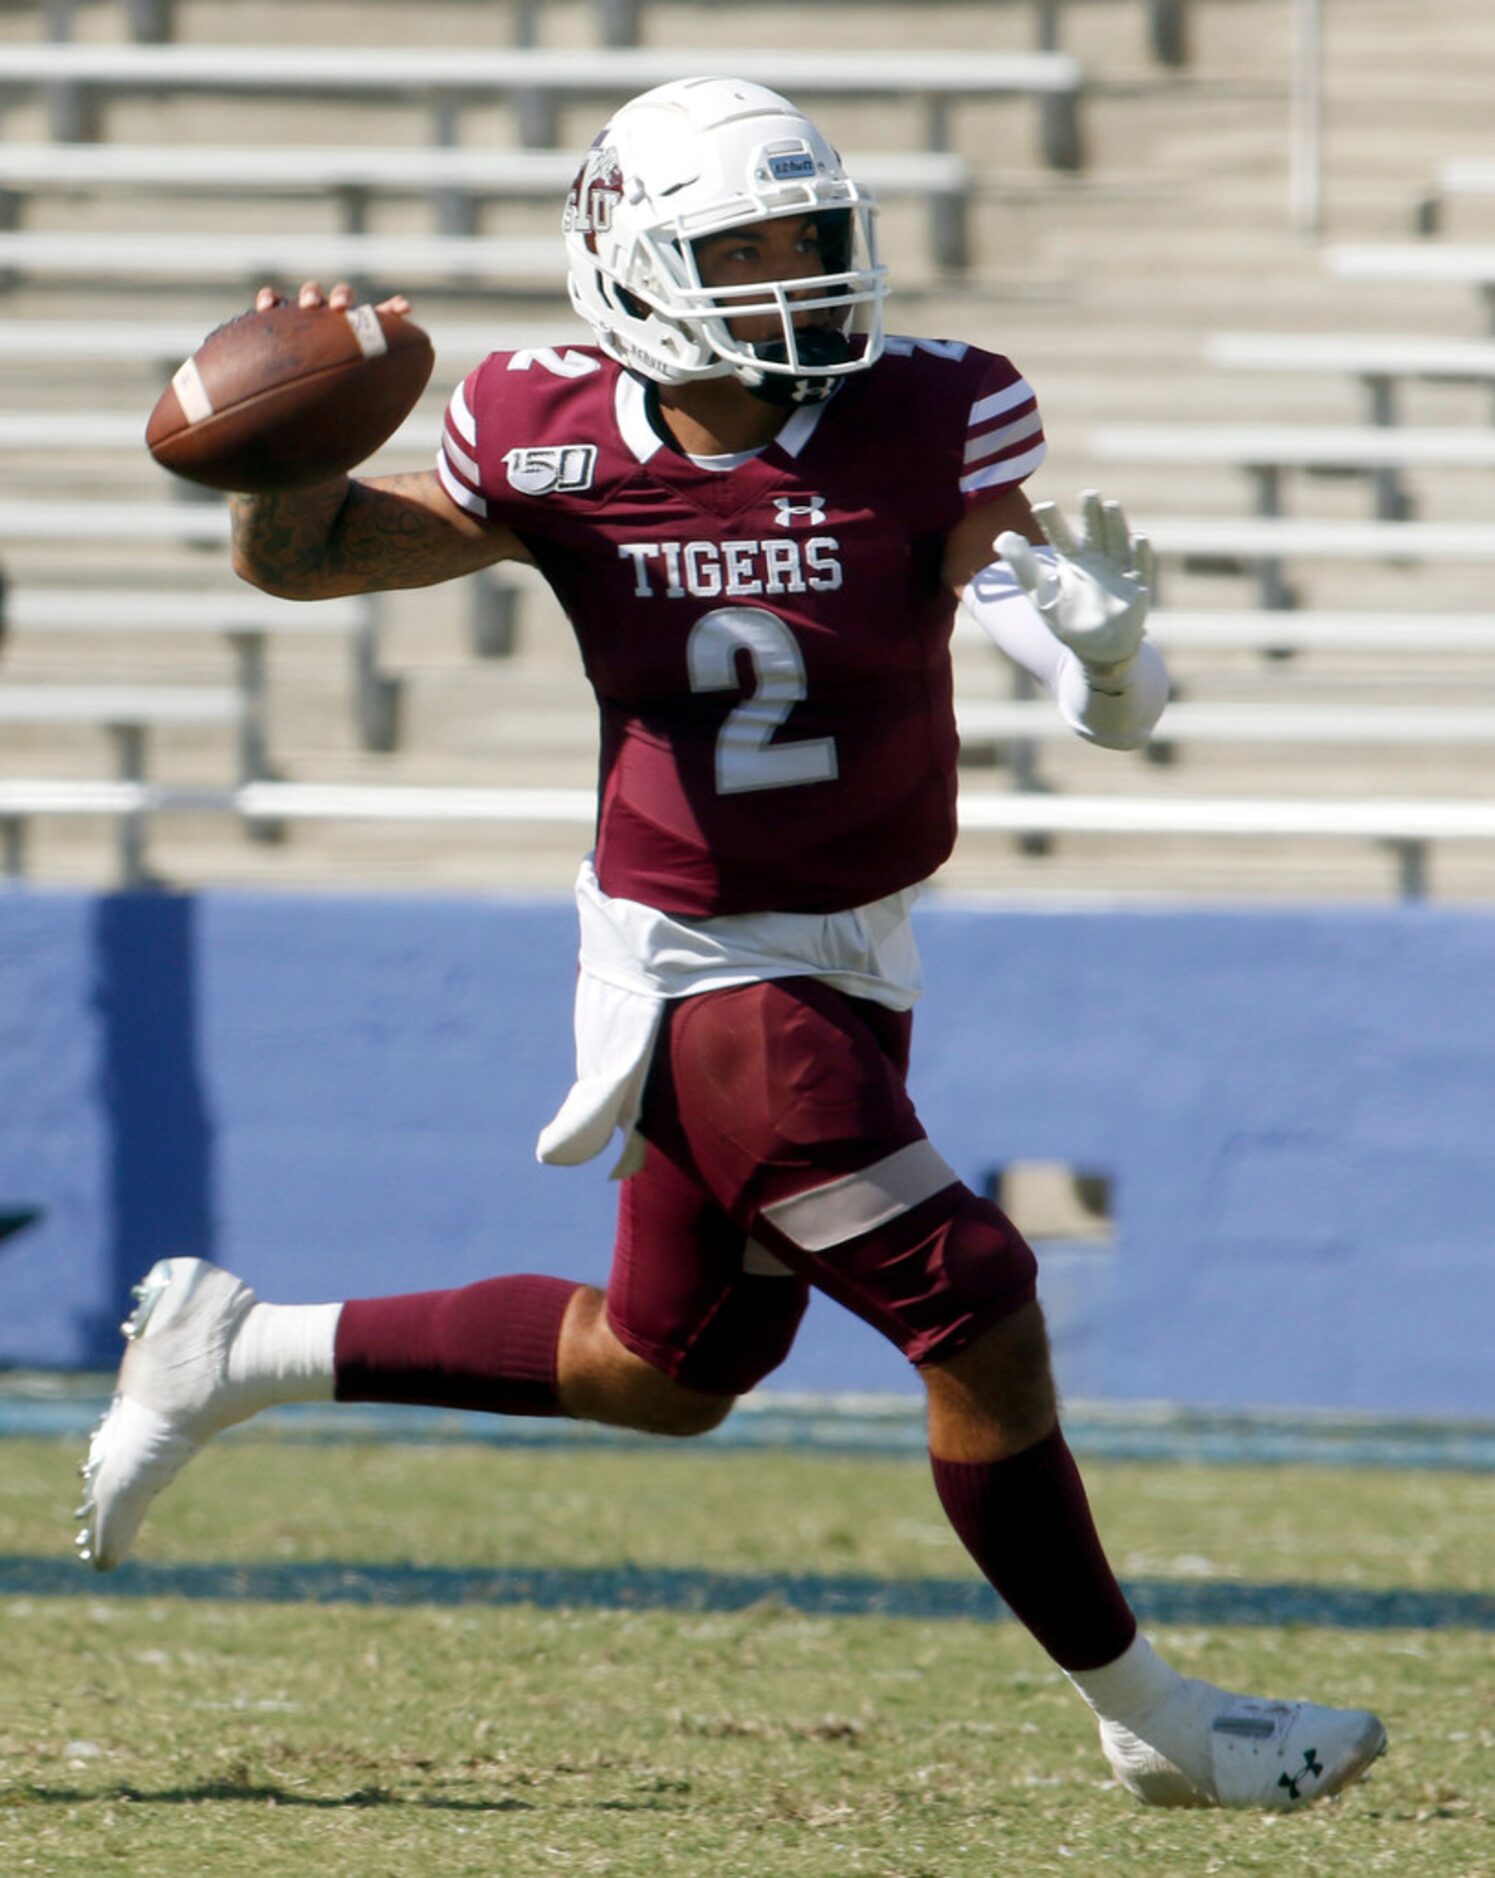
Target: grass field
{"points": [[183, 1735]]}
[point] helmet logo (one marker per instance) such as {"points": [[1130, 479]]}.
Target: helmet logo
{"points": [[594, 196]]}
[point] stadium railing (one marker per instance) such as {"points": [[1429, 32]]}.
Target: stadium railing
{"points": [[1408, 827], [457, 181], [74, 77], [129, 715]]}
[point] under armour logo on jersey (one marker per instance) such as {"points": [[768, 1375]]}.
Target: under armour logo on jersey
{"points": [[787, 511], [543, 470]]}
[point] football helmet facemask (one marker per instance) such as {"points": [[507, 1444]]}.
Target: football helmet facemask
{"points": [[696, 157]]}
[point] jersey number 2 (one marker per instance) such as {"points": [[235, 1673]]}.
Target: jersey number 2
{"points": [[745, 758]]}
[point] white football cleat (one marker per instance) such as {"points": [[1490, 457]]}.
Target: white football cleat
{"points": [[173, 1394], [1237, 1751]]}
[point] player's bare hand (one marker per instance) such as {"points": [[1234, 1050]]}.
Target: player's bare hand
{"points": [[1094, 592], [311, 293]]}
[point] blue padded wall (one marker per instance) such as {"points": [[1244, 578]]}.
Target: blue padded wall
{"points": [[339, 1096]]}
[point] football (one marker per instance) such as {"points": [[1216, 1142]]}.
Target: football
{"points": [[290, 396]]}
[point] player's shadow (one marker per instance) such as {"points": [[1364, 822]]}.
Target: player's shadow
{"points": [[269, 1792], [261, 1792]]}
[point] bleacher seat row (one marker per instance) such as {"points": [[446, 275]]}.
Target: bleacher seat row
{"points": [[622, 22], [76, 77], [457, 181]]}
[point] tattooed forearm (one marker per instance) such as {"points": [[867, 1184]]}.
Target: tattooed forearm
{"points": [[354, 536], [281, 539]]}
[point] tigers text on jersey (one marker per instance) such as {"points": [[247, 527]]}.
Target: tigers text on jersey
{"points": [[768, 642]]}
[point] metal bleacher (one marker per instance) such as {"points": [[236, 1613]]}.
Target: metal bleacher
{"points": [[1331, 664]]}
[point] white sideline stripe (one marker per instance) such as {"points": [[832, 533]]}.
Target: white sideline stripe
{"points": [[367, 331], [858, 1203], [191, 394]]}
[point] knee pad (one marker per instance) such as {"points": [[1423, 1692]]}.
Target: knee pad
{"points": [[983, 1254], [933, 1279]]}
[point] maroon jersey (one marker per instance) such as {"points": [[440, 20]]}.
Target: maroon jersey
{"points": [[769, 644]]}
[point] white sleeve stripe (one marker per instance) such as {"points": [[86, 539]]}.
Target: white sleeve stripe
{"points": [[995, 440], [1009, 470], [999, 402], [462, 419], [460, 460], [462, 496]]}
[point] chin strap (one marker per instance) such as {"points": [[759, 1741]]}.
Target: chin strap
{"points": [[818, 347]]}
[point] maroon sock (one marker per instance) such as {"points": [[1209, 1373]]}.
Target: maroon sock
{"points": [[489, 1346], [1026, 1522]]}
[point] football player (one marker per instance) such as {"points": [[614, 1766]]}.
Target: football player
{"points": [[759, 513]]}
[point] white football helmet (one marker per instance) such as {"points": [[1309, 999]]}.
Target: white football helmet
{"points": [[692, 158]]}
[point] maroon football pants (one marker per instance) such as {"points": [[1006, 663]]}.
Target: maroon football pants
{"points": [[784, 1152]]}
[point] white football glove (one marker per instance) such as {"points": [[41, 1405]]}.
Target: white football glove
{"points": [[1093, 594]]}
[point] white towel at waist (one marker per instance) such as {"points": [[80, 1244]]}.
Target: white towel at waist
{"points": [[634, 958]]}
